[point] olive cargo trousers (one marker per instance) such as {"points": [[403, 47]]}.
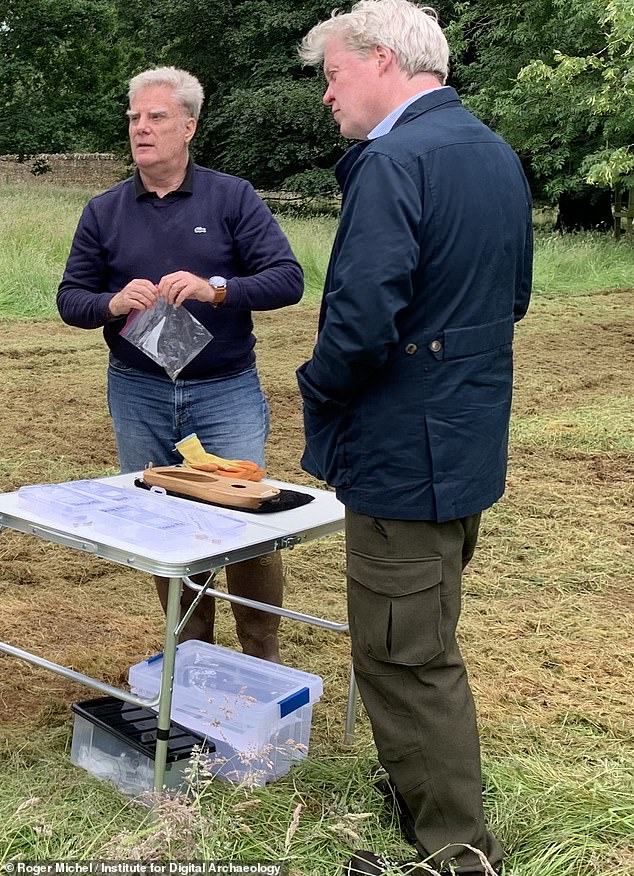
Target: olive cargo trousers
{"points": [[404, 599]]}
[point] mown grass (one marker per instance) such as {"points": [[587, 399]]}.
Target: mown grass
{"points": [[604, 426], [37, 225], [544, 626]]}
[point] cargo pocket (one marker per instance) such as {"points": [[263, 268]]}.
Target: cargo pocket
{"points": [[395, 609]]}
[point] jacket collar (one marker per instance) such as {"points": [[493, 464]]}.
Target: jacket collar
{"points": [[424, 104], [427, 102], [348, 160]]}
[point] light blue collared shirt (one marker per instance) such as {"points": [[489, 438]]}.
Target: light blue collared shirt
{"points": [[388, 122]]}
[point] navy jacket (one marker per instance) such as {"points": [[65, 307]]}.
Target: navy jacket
{"points": [[219, 227], [408, 394]]}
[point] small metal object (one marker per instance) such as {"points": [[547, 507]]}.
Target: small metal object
{"points": [[219, 285]]}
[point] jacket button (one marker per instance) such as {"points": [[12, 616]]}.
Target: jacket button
{"points": [[410, 349], [436, 346]]}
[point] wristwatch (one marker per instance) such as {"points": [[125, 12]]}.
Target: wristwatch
{"points": [[219, 285]]}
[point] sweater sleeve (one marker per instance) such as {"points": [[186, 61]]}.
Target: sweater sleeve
{"points": [[270, 275], [80, 299]]}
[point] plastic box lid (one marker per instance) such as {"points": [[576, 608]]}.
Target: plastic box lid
{"points": [[136, 726], [229, 687], [152, 518], [97, 490], [58, 501]]}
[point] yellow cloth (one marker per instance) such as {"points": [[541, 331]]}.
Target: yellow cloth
{"points": [[196, 456]]}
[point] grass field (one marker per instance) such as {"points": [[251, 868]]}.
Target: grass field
{"points": [[37, 225], [548, 599]]}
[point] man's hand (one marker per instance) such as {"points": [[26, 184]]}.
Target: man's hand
{"points": [[180, 285], [137, 295]]}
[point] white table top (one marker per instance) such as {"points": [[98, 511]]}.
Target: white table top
{"points": [[262, 533]]}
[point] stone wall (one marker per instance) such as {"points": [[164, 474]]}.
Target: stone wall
{"points": [[95, 170]]}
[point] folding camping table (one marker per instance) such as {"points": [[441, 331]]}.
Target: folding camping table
{"points": [[261, 534]]}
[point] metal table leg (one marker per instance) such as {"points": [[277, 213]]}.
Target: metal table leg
{"points": [[351, 707], [172, 617]]}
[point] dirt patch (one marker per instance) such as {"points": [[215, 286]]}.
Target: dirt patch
{"points": [[548, 597]]}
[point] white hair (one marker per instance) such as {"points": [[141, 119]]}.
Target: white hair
{"points": [[412, 32], [187, 89]]}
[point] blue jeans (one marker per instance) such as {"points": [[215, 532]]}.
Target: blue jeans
{"points": [[151, 412]]}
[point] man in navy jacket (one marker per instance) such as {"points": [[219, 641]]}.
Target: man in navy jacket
{"points": [[205, 241], [407, 396]]}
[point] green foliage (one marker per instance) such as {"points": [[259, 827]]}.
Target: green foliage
{"points": [[232, 45], [313, 183], [613, 164], [293, 135], [555, 79], [263, 117], [61, 76]]}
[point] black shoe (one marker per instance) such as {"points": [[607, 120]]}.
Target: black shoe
{"points": [[397, 805], [370, 864]]}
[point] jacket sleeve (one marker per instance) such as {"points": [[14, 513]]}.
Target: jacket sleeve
{"points": [[270, 276], [376, 253], [525, 285], [80, 300]]}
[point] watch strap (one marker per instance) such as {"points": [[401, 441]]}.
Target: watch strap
{"points": [[220, 293]]}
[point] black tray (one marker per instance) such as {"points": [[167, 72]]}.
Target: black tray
{"points": [[136, 726], [286, 500]]}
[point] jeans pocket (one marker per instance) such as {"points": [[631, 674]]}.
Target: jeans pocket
{"points": [[395, 609], [118, 365]]}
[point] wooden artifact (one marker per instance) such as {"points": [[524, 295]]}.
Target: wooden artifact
{"points": [[232, 492]]}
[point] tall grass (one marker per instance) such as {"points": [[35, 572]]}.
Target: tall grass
{"points": [[575, 264], [36, 230], [311, 240], [37, 225], [554, 817]]}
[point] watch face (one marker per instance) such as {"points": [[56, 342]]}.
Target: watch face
{"points": [[217, 281]]}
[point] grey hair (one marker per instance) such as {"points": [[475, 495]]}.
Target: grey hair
{"points": [[411, 31], [187, 89]]}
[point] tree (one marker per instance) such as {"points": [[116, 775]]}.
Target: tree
{"points": [[588, 100], [63, 68], [555, 80], [275, 133], [263, 116]]}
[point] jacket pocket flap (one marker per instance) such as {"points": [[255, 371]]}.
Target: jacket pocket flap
{"points": [[473, 339], [395, 577]]}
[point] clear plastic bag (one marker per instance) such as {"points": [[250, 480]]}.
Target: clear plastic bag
{"points": [[169, 335]]}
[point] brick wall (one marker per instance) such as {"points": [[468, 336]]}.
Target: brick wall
{"points": [[98, 170]]}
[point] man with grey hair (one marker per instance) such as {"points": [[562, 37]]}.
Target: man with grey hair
{"points": [[206, 241], [407, 398]]}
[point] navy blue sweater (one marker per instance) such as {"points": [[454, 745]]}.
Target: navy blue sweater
{"points": [[220, 228]]}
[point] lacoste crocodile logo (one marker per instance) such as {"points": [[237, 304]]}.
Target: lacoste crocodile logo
{"points": [[200, 229]]}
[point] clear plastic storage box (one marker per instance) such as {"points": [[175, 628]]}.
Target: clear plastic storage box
{"points": [[258, 714], [116, 741], [59, 502], [151, 519]]}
